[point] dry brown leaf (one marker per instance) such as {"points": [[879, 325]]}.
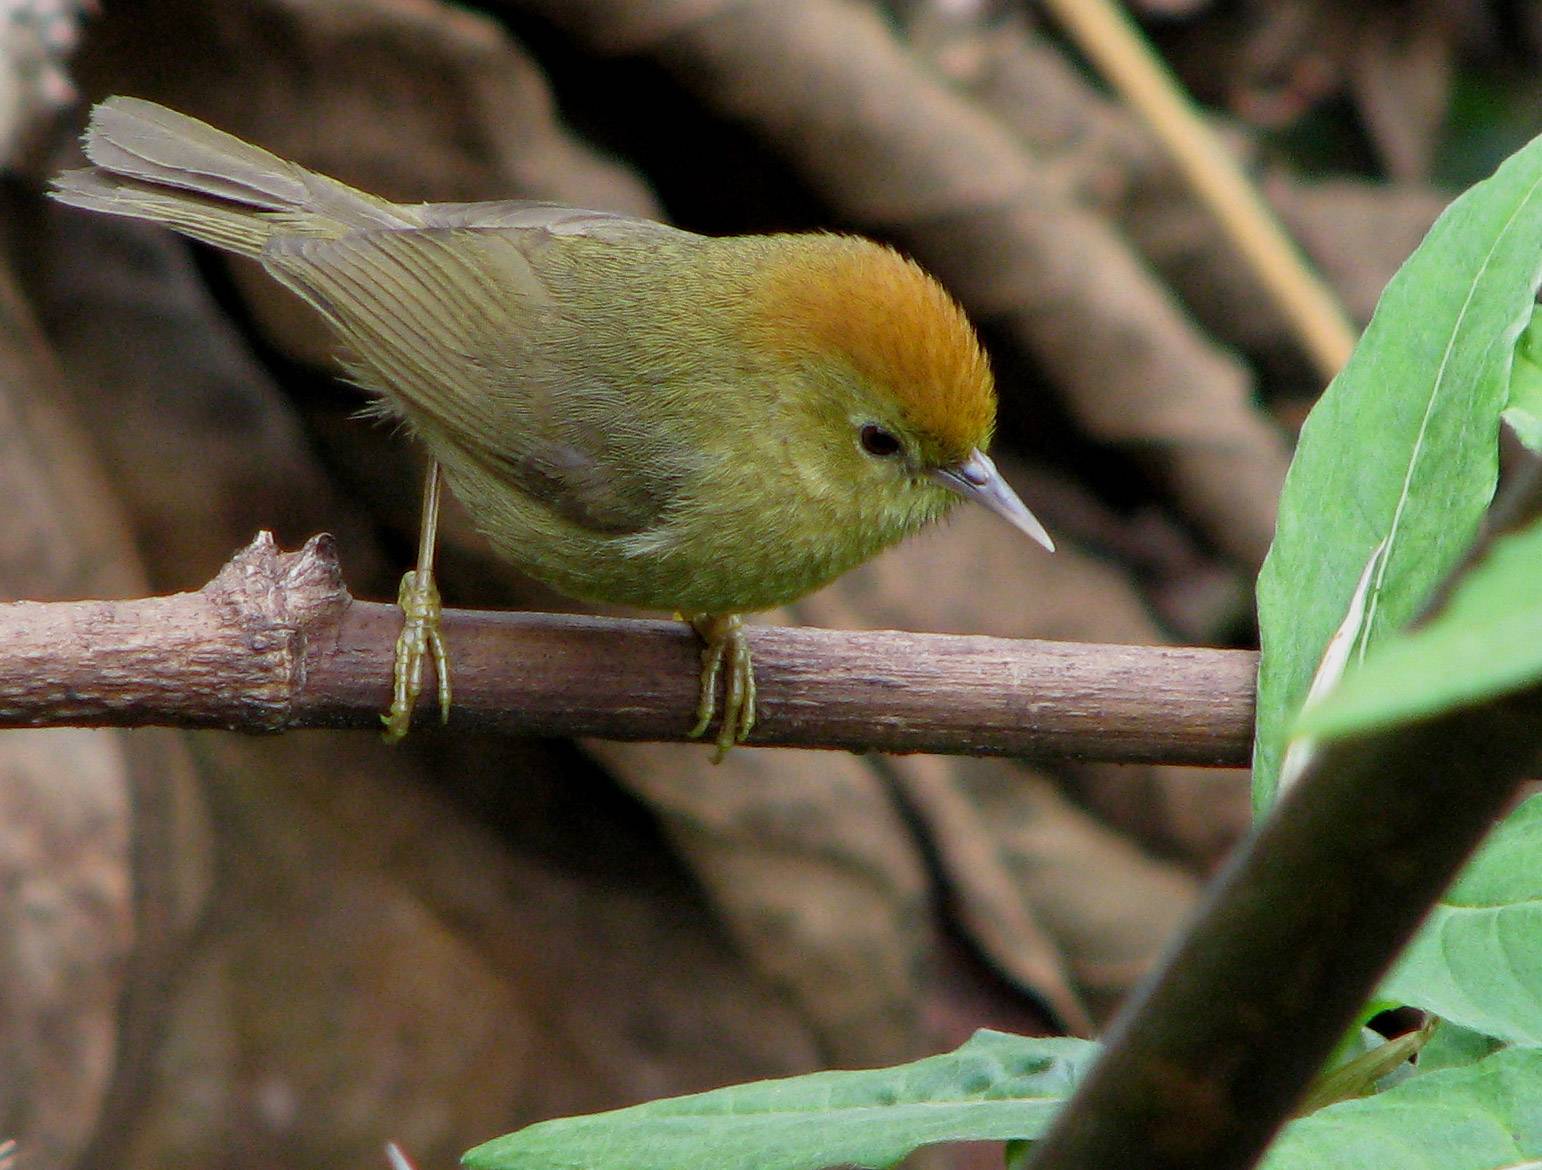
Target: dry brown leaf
{"points": [[814, 873], [997, 910], [1065, 909]]}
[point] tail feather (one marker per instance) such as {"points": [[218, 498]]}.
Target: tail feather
{"points": [[153, 163], [223, 225], [141, 140]]}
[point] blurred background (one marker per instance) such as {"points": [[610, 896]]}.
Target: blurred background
{"points": [[236, 952]]}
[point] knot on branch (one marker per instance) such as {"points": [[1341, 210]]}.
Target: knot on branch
{"points": [[276, 602]]}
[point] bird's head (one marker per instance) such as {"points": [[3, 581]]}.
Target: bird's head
{"points": [[895, 394]]}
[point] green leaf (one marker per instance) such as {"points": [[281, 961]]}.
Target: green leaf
{"points": [[1477, 961], [1453, 1046], [1487, 641], [1482, 1117], [1403, 446], [1524, 410], [995, 1087]]}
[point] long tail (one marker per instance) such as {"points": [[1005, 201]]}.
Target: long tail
{"points": [[156, 164]]}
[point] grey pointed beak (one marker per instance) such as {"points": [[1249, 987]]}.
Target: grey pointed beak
{"points": [[977, 479]]}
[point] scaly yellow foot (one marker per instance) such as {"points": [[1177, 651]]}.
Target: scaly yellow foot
{"points": [[723, 635], [419, 599]]}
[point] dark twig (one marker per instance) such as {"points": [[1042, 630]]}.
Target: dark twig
{"points": [[276, 643]]}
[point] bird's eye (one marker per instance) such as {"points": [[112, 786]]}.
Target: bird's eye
{"points": [[877, 441]]}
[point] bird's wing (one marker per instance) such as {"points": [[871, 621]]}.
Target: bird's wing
{"points": [[445, 321]]}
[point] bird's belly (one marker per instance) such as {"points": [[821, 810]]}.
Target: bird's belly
{"points": [[688, 578], [731, 565]]}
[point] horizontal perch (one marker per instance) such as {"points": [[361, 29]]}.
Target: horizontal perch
{"points": [[276, 643]]}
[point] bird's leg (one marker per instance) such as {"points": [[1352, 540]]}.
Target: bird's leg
{"points": [[724, 642], [419, 599]]}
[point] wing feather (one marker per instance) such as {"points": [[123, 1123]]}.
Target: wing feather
{"points": [[445, 322]]}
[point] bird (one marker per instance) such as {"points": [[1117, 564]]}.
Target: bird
{"points": [[630, 412]]}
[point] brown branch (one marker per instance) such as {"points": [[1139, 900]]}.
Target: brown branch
{"points": [[275, 643]]}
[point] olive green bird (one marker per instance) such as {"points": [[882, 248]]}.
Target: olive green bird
{"points": [[629, 412]]}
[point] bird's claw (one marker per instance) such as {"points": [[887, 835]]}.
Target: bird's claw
{"points": [[419, 600], [723, 635]]}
